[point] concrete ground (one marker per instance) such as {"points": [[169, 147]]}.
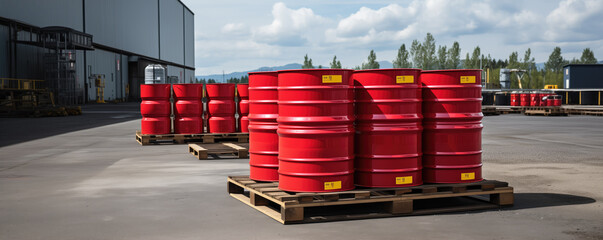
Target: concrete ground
{"points": [[77, 178]]}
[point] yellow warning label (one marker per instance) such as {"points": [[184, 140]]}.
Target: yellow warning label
{"points": [[331, 79], [332, 185], [405, 79], [467, 79], [404, 180], [468, 176]]}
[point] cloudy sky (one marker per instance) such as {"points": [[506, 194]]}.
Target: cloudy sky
{"points": [[239, 35]]}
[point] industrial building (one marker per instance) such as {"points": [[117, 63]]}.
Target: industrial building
{"points": [[583, 76], [85, 50]]}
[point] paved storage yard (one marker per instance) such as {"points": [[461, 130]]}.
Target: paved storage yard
{"points": [[87, 178]]}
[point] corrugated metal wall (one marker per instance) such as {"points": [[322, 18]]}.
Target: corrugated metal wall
{"points": [[131, 25], [66, 13], [160, 29]]}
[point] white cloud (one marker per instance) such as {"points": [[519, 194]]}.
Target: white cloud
{"points": [[289, 27], [235, 29], [575, 20]]}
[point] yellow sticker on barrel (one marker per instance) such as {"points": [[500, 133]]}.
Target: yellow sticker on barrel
{"points": [[467, 79], [405, 79], [331, 79], [403, 180], [468, 176], [332, 185]]}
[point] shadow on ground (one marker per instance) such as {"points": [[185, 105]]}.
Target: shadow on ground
{"points": [[538, 200], [18, 130]]}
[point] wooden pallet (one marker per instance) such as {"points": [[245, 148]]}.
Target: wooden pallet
{"points": [[591, 113], [217, 150], [148, 139], [545, 111], [490, 111], [287, 207]]}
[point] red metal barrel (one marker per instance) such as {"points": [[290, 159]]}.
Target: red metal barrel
{"points": [[524, 99], [535, 99], [243, 94], [556, 100], [220, 107], [263, 139], [388, 128], [188, 108], [155, 109], [452, 127], [515, 99], [315, 129]]}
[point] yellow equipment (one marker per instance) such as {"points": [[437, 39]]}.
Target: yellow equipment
{"points": [[550, 86], [99, 82]]}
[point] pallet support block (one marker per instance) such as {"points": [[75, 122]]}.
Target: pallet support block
{"points": [[257, 200], [399, 206], [502, 199], [294, 214]]}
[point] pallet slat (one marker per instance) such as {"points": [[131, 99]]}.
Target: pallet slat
{"points": [[202, 151], [288, 207], [148, 139]]}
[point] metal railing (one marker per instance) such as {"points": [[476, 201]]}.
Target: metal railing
{"points": [[21, 84]]}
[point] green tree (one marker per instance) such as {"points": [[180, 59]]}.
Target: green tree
{"points": [[211, 80], [475, 58], [532, 78], [454, 56], [513, 61], [336, 64], [588, 57], [467, 63], [442, 57], [556, 61], [416, 53], [401, 60], [372, 61], [429, 52], [307, 63]]}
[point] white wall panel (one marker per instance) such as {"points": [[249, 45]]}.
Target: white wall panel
{"points": [[189, 39], [172, 31]]}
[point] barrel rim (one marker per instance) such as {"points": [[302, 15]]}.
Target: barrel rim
{"points": [[262, 72], [315, 70], [449, 70], [220, 84], [388, 69]]}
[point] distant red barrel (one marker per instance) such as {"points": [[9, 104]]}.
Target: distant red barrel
{"points": [[188, 108], [515, 99], [221, 107], [556, 100], [263, 139], [315, 129], [452, 127], [524, 99], [243, 95], [543, 99], [155, 108], [388, 128], [535, 99]]}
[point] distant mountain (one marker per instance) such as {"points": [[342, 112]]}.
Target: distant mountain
{"points": [[385, 64], [218, 77]]}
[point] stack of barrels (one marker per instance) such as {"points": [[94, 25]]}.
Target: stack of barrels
{"points": [[327, 130], [179, 108], [535, 99]]}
